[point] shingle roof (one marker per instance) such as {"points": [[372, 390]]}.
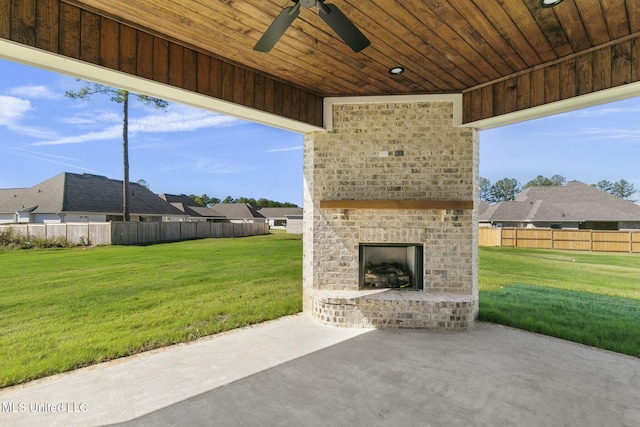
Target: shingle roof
{"points": [[483, 206], [237, 210], [44, 197], [572, 202], [279, 212], [69, 192], [190, 207]]}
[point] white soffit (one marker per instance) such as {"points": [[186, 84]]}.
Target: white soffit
{"points": [[605, 96], [60, 64]]}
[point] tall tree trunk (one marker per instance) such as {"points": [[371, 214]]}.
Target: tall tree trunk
{"points": [[125, 155]]}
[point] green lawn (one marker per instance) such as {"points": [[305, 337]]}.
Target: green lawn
{"points": [[586, 297], [61, 309], [615, 274]]}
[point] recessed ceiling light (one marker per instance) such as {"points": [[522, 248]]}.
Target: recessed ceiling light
{"points": [[549, 3], [396, 71]]}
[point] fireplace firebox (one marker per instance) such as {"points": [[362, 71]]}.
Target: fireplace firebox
{"points": [[390, 265]]}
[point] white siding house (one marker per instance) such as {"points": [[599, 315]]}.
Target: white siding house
{"points": [[69, 197]]}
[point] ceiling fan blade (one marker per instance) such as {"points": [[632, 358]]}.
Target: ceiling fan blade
{"points": [[277, 28], [347, 31]]}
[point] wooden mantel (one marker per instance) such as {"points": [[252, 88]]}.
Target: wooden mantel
{"points": [[397, 204]]}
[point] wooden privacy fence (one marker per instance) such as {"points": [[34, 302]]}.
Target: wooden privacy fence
{"points": [[547, 238], [135, 233], [132, 233]]}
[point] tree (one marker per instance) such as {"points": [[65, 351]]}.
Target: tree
{"points": [[623, 189], [543, 181], [121, 96], [250, 201], [505, 190], [204, 200], [605, 185], [143, 183], [485, 190], [266, 203], [260, 203]]}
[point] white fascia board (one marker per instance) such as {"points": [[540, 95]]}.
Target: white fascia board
{"points": [[57, 63], [456, 98], [605, 96]]}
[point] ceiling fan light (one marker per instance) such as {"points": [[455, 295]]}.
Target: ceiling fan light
{"points": [[549, 3], [396, 71]]}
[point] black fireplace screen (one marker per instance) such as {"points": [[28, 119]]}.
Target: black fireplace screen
{"points": [[397, 266]]}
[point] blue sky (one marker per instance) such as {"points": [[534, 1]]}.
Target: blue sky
{"points": [[190, 151], [588, 145], [183, 150]]}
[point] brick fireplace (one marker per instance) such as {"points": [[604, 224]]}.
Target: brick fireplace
{"points": [[400, 177]]}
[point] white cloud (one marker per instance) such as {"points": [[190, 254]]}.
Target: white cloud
{"points": [[34, 132], [12, 109], [621, 131], [605, 110], [34, 92], [40, 153], [51, 158], [181, 119], [604, 133], [278, 150], [113, 132], [206, 165], [92, 118]]}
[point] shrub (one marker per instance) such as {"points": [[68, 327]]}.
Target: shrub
{"points": [[11, 240]]}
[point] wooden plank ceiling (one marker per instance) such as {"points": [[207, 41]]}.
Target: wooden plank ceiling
{"points": [[496, 52]]}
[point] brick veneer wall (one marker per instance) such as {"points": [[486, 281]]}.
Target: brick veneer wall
{"points": [[428, 159]]}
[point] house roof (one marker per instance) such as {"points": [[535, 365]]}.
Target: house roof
{"points": [[237, 211], [572, 202], [280, 212], [69, 192], [190, 206], [483, 206]]}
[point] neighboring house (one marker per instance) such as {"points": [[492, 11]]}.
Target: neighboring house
{"points": [[195, 211], [70, 197], [574, 205], [289, 219], [239, 212]]}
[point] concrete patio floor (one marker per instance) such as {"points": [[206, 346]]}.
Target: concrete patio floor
{"points": [[296, 372]]}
